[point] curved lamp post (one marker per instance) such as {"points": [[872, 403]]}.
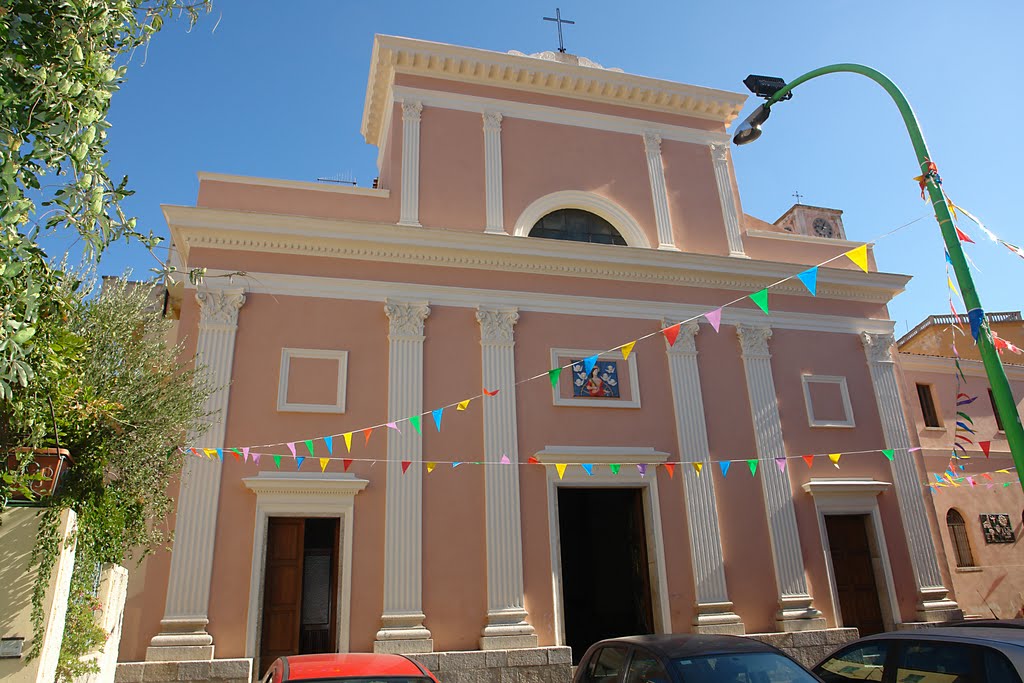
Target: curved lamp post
{"points": [[775, 90]]}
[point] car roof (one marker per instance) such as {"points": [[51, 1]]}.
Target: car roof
{"points": [[990, 634], [306, 667], [681, 645]]}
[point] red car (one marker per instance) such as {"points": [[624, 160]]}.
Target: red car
{"points": [[348, 668]]}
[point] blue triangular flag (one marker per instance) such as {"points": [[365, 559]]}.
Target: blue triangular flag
{"points": [[455, 464], [588, 468], [937, 477], [724, 464], [810, 279], [329, 440], [298, 462], [948, 260], [437, 417], [220, 454], [589, 363]]}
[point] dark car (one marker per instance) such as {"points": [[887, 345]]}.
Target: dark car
{"points": [[688, 658], [948, 654]]}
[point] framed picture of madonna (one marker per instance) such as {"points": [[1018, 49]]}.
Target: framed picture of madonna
{"points": [[592, 379]]}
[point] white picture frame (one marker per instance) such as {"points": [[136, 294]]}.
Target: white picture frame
{"points": [[560, 357], [338, 406], [844, 393]]}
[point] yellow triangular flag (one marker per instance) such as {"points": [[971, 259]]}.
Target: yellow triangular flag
{"points": [[952, 288], [348, 441], [697, 467], [323, 464], [430, 467], [834, 457], [628, 349], [210, 452], [561, 470], [859, 256], [464, 404]]}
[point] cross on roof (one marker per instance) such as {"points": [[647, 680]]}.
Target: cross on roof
{"points": [[559, 21], [798, 196]]}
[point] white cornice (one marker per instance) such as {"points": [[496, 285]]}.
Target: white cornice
{"points": [[393, 54], [600, 455], [289, 484], [273, 233], [565, 117], [852, 486], [806, 239], [944, 365], [292, 184], [542, 302]]}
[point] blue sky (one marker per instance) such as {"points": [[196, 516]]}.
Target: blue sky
{"points": [[277, 90]]}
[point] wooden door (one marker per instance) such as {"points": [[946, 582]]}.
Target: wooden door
{"points": [[282, 589], [641, 589], [856, 588]]}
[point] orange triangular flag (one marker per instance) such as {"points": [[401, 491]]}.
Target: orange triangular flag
{"points": [[671, 333], [367, 432], [859, 256], [323, 464], [671, 467], [809, 459], [627, 349], [697, 467], [533, 461], [492, 393]]}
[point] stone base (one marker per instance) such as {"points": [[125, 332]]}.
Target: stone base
{"points": [[184, 653], [733, 629], [532, 665], [523, 642], [717, 618], [809, 647], [219, 670], [404, 647], [798, 625]]}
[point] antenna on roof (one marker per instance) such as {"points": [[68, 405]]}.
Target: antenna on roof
{"points": [[346, 178]]}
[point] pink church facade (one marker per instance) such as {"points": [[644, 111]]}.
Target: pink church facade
{"points": [[356, 307]]}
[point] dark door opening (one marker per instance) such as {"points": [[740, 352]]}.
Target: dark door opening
{"points": [[606, 586], [856, 588], [299, 588]]}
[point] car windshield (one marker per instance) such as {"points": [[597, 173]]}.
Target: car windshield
{"points": [[751, 667]]}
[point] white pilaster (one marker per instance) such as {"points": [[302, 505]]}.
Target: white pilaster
{"points": [[714, 609], [795, 610], [507, 626], [720, 159], [659, 195], [492, 173], [410, 208], [402, 629], [183, 633], [933, 602]]}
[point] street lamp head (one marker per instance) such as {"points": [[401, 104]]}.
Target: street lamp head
{"points": [[750, 129], [766, 86]]}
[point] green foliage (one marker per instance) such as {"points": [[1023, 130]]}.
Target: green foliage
{"points": [[60, 63], [123, 409]]}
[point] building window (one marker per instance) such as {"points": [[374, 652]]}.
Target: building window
{"points": [[992, 400], [577, 225], [958, 536], [931, 416]]}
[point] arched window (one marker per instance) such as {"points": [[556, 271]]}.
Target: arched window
{"points": [[576, 225], [958, 536]]}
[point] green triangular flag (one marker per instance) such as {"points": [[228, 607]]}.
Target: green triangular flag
{"points": [[277, 461], [415, 422], [553, 376], [614, 468], [309, 445], [761, 299], [887, 452], [752, 464]]}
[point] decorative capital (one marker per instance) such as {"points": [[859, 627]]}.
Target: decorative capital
{"points": [[406, 319], [652, 142], [492, 121], [686, 342], [411, 110], [219, 307], [754, 340], [719, 151], [496, 324], [878, 346]]}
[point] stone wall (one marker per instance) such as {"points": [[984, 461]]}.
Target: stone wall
{"points": [[808, 647], [219, 670], [534, 665]]}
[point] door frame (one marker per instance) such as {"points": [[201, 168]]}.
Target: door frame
{"points": [[296, 494], [628, 477], [856, 496]]}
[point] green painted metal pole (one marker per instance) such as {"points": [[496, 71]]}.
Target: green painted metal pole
{"points": [[1006, 408]]}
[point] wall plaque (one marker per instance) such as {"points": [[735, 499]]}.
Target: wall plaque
{"points": [[997, 528]]}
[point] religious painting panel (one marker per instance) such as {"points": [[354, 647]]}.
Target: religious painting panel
{"points": [[594, 379], [997, 528]]}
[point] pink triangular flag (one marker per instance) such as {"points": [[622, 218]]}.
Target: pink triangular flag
{"points": [[392, 425], [781, 462], [256, 458], [505, 460], [714, 317], [245, 453], [291, 447]]}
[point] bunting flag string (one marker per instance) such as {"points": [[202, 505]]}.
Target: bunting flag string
{"points": [[807, 277]]}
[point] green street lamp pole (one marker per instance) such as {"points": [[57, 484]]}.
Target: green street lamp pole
{"points": [[1001, 392]]}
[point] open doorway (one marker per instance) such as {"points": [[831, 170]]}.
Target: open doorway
{"points": [[857, 591], [300, 588], [606, 584]]}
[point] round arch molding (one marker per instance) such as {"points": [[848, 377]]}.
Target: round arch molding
{"points": [[620, 219]]}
